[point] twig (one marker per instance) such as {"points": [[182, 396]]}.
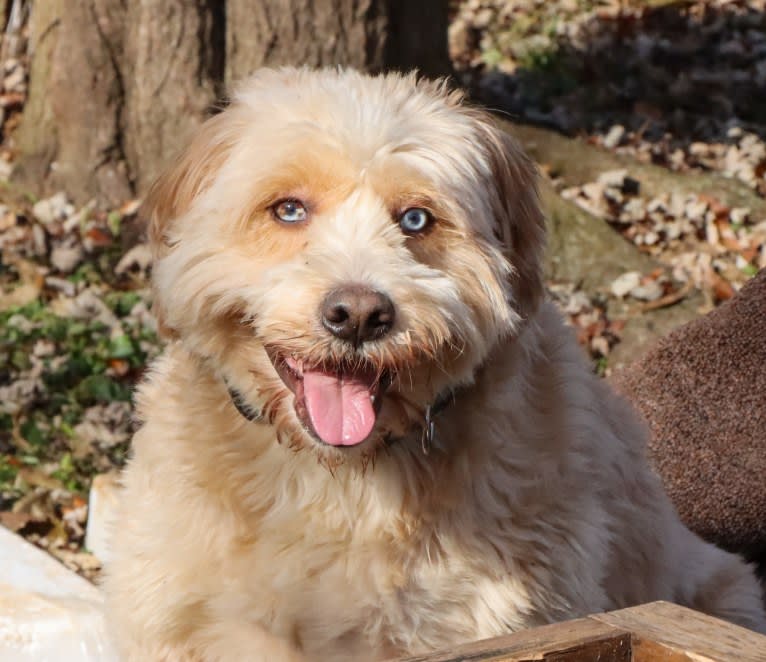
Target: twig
{"points": [[668, 299]]}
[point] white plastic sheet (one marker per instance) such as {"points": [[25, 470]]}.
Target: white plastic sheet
{"points": [[47, 612]]}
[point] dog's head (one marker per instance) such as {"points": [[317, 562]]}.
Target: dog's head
{"points": [[345, 250]]}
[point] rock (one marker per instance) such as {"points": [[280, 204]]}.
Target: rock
{"points": [[47, 612], [641, 331], [67, 258], [625, 283], [102, 506], [583, 248]]}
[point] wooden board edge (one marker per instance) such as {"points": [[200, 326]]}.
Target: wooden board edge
{"points": [[684, 631], [540, 643]]}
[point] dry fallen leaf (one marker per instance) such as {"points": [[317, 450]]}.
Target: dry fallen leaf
{"points": [[722, 289], [14, 520]]}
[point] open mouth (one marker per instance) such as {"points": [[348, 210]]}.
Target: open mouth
{"points": [[337, 404]]}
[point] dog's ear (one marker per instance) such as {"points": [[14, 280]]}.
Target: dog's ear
{"points": [[172, 195], [193, 171], [519, 221]]}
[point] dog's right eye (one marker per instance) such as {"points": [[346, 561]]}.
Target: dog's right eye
{"points": [[290, 211], [415, 220]]}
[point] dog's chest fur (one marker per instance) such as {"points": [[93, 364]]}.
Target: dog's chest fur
{"points": [[339, 598], [358, 565], [351, 589]]}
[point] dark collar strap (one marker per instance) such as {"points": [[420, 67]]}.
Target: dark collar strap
{"points": [[441, 402], [249, 412]]}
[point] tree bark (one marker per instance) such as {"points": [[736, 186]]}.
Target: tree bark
{"points": [[116, 88], [69, 135], [371, 35], [172, 70]]}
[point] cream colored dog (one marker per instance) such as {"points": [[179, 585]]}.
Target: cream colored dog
{"points": [[368, 436]]}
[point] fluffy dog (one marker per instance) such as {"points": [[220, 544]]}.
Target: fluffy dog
{"points": [[368, 435]]}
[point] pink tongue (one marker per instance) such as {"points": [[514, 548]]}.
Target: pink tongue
{"points": [[339, 406]]}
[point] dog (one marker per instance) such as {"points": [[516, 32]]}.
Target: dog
{"points": [[369, 436]]}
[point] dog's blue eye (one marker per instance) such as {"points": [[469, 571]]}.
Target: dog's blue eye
{"points": [[290, 211], [414, 220]]}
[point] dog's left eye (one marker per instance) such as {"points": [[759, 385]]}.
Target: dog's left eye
{"points": [[415, 219], [290, 211]]}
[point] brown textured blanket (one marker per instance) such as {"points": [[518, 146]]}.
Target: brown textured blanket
{"points": [[703, 391]]}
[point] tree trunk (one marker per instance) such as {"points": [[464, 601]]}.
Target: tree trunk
{"points": [[69, 136], [172, 71], [117, 88], [371, 35]]}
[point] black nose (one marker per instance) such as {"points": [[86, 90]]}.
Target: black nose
{"points": [[357, 313]]}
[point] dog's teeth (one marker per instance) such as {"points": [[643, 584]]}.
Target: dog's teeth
{"points": [[372, 399]]}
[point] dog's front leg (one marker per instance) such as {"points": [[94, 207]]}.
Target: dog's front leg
{"points": [[229, 641], [217, 642]]}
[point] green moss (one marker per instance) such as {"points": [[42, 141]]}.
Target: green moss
{"points": [[7, 473]]}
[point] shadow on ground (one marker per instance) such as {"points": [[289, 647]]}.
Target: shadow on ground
{"points": [[693, 70]]}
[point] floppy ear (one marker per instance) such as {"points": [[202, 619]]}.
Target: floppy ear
{"points": [[172, 195], [193, 171], [520, 224]]}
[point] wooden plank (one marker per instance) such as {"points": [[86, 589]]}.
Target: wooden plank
{"points": [[650, 651], [685, 635], [614, 649], [580, 640]]}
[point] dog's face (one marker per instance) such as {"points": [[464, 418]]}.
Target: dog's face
{"points": [[344, 250]]}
